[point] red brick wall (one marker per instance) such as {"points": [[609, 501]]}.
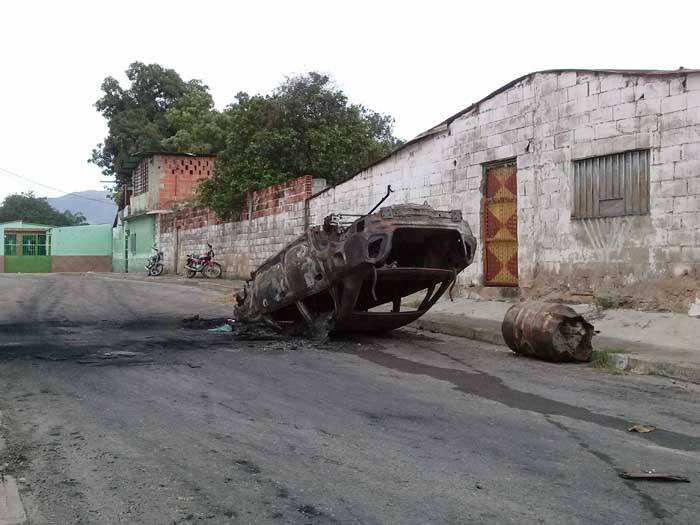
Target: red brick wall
{"points": [[277, 198], [81, 263], [267, 201], [187, 219], [179, 176]]}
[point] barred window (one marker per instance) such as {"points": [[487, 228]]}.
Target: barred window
{"points": [[141, 178], [611, 185]]}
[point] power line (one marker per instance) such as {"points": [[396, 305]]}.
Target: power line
{"points": [[4, 171]]}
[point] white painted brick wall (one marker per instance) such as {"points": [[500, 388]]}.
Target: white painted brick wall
{"points": [[562, 117]]}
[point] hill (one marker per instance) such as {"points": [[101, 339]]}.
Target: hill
{"points": [[101, 210]]}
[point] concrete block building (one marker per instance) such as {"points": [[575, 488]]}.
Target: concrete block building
{"points": [[578, 184], [160, 183], [581, 184]]}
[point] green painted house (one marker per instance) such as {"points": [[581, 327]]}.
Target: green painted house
{"points": [[40, 248], [132, 239]]}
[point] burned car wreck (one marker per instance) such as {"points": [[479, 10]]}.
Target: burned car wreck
{"points": [[332, 277]]}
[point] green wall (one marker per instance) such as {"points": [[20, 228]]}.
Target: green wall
{"points": [[118, 259], [28, 264], [142, 234], [139, 234], [82, 240]]}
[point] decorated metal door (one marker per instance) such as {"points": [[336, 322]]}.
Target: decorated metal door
{"points": [[501, 226]]}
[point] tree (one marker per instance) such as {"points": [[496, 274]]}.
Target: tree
{"points": [[136, 117], [29, 208], [199, 128], [305, 127]]}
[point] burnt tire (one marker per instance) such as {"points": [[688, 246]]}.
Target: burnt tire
{"points": [[213, 271]]}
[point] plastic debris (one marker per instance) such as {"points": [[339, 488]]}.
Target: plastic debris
{"points": [[653, 475], [642, 429], [222, 328]]}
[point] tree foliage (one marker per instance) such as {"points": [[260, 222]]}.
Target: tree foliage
{"points": [[29, 208], [136, 116], [306, 126]]}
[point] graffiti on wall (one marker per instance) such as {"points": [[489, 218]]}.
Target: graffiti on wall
{"points": [[607, 236]]}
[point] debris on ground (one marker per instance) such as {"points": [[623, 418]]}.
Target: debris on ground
{"points": [[222, 328], [652, 475], [259, 331], [333, 277], [642, 429], [114, 355], [200, 323], [549, 331]]}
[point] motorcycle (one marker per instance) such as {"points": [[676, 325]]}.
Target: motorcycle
{"points": [[203, 264], [155, 263]]}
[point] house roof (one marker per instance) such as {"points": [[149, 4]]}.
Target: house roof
{"points": [[442, 126], [18, 225]]}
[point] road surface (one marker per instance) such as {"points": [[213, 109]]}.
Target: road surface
{"points": [[113, 413]]}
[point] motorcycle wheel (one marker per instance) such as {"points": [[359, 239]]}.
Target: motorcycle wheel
{"points": [[191, 273], [157, 270], [212, 271]]}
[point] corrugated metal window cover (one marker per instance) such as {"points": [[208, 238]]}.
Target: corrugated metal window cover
{"points": [[611, 185]]}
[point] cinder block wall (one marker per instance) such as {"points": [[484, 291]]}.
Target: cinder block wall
{"points": [[277, 219], [545, 122]]}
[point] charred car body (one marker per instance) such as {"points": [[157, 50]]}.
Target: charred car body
{"points": [[333, 275]]}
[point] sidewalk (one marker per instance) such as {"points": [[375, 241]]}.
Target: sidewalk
{"points": [[664, 344]]}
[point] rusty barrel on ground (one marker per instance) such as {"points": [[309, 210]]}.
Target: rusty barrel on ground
{"points": [[549, 331]]}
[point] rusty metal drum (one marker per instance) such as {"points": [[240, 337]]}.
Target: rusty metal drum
{"points": [[549, 331]]}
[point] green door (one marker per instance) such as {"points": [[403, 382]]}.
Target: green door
{"points": [[27, 253]]}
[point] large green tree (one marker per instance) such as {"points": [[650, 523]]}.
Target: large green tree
{"points": [[29, 208], [305, 127], [137, 116]]}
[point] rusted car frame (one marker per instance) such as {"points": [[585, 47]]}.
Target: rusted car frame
{"points": [[333, 277]]}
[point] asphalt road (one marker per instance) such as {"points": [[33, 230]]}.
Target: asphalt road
{"points": [[113, 413]]}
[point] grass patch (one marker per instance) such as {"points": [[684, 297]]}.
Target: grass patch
{"points": [[601, 358]]}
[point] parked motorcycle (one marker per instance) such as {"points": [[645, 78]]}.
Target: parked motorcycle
{"points": [[203, 264], [155, 262]]}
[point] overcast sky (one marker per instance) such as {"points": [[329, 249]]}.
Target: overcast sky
{"points": [[417, 61]]}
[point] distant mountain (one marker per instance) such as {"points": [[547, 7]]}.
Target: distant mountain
{"points": [[95, 205]]}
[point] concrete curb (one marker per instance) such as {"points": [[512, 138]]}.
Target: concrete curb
{"points": [[489, 331], [11, 508]]}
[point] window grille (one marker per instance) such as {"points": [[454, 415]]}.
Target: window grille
{"points": [[36, 244], [611, 185], [10, 244], [141, 178]]}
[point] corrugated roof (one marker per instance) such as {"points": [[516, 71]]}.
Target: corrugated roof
{"points": [[443, 126]]}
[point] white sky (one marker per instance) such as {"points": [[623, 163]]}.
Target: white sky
{"points": [[418, 61]]}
